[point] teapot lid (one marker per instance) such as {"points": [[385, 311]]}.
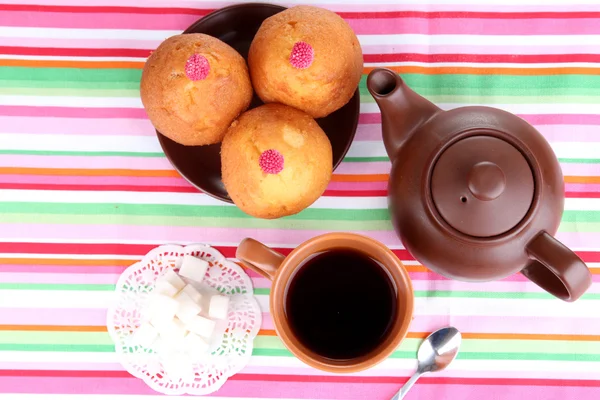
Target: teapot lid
{"points": [[482, 186]]}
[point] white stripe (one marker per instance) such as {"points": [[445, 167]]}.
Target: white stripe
{"points": [[92, 143], [482, 65], [49, 142], [135, 102], [68, 101], [78, 34], [423, 306], [196, 199], [557, 108], [199, 199], [561, 149], [479, 40], [69, 58], [56, 299], [365, 40]]}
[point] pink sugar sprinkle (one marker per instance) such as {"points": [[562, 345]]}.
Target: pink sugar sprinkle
{"points": [[302, 55], [271, 162], [197, 67]]}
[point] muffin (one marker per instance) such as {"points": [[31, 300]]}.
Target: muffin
{"points": [[308, 58], [276, 161], [193, 86]]}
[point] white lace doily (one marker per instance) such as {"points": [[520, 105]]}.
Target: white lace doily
{"points": [[229, 355]]}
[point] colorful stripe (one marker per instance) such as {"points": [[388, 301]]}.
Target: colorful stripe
{"points": [[85, 191]]}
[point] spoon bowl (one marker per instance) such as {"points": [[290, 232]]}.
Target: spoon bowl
{"points": [[436, 352]]}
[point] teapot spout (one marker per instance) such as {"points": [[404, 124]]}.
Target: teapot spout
{"points": [[402, 110]]}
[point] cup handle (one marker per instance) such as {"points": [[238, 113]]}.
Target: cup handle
{"points": [[556, 268], [259, 258]]}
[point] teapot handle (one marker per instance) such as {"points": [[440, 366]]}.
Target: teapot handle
{"points": [[556, 268]]}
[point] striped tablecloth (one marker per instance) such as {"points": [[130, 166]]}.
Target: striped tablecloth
{"points": [[85, 191]]}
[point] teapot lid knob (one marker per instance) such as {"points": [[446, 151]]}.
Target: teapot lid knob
{"points": [[482, 185], [486, 181]]}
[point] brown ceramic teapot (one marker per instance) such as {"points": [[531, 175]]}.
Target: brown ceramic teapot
{"points": [[476, 193]]}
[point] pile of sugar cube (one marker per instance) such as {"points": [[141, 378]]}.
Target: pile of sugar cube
{"points": [[174, 318]]}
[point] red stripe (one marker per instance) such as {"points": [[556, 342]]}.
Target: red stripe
{"points": [[369, 58], [141, 249], [322, 378], [349, 15], [191, 189], [482, 58]]}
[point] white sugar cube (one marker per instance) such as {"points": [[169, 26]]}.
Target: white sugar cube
{"points": [[218, 307], [161, 309], [201, 326], [193, 268], [187, 307], [145, 335], [168, 347], [196, 346], [193, 293], [172, 330], [165, 288], [178, 367], [174, 279]]}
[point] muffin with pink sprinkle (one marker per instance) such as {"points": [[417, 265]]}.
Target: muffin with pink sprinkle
{"points": [[193, 86], [276, 161], [308, 58]]}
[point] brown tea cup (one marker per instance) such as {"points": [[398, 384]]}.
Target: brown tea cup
{"points": [[282, 271]]}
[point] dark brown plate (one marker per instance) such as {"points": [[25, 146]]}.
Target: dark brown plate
{"points": [[236, 26]]}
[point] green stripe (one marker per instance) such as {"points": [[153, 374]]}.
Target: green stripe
{"points": [[496, 84], [69, 84], [60, 75], [472, 295], [81, 153], [490, 84], [69, 348], [491, 98], [214, 222], [223, 211]]}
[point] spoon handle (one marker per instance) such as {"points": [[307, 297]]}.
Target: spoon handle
{"points": [[409, 384]]}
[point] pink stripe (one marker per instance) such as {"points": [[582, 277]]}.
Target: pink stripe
{"points": [[576, 169], [60, 269], [181, 234], [432, 276], [85, 162], [362, 26], [582, 187], [96, 180], [478, 49], [570, 133], [171, 234], [421, 323], [363, 168], [76, 126], [380, 370], [344, 7], [470, 26], [300, 390], [534, 119], [516, 286], [357, 186], [368, 132], [23, 277], [73, 112]]}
